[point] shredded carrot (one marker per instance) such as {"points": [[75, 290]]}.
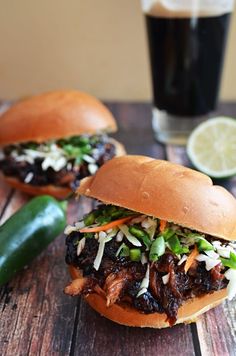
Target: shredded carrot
{"points": [[163, 224], [191, 259], [107, 226]]}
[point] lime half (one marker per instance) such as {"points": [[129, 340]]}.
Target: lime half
{"points": [[212, 147]]}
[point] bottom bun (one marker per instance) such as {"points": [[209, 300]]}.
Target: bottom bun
{"points": [[126, 315], [120, 149], [55, 191]]}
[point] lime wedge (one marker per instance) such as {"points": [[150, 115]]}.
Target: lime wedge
{"points": [[212, 147]]}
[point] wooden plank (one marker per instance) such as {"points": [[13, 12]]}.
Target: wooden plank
{"points": [[99, 336], [17, 200], [217, 331], [36, 317]]}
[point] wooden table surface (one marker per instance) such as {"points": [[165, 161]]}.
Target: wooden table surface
{"points": [[38, 319]]}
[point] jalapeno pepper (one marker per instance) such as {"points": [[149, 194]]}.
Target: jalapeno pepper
{"points": [[26, 233]]}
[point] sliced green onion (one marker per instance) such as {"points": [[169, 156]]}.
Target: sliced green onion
{"points": [[157, 249], [140, 234], [204, 245], [133, 240], [135, 254], [71, 150], [167, 233], [111, 208], [175, 245], [89, 219], [79, 140], [184, 249], [117, 214], [136, 231], [102, 220], [89, 235], [232, 256], [123, 250], [86, 149], [231, 262]]}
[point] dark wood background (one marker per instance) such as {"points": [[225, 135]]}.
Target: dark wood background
{"points": [[36, 318]]}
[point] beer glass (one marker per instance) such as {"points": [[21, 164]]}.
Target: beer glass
{"points": [[186, 41]]}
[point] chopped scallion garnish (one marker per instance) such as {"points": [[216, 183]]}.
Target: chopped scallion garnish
{"points": [[204, 245], [135, 254], [231, 262], [157, 249], [140, 234], [175, 245]]}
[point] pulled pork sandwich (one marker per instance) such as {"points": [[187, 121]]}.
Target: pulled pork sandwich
{"points": [[157, 249], [49, 142]]}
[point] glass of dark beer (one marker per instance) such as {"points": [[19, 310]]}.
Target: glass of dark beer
{"points": [[186, 41]]}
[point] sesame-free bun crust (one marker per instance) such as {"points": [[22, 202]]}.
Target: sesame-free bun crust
{"points": [[126, 315], [167, 191], [55, 115], [55, 191]]}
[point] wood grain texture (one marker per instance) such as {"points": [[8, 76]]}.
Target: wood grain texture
{"points": [[5, 192], [17, 199], [99, 336], [36, 318], [216, 331]]}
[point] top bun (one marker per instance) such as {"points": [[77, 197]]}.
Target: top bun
{"points": [[55, 115], [167, 191]]}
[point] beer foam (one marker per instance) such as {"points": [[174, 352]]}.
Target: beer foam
{"points": [[187, 8]]}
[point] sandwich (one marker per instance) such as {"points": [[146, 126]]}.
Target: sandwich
{"points": [[49, 142], [158, 247]]}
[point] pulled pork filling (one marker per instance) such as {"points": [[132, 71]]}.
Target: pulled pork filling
{"points": [[63, 162], [151, 264]]}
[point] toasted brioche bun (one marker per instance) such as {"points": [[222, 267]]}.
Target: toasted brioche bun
{"points": [[55, 191], [167, 191], [55, 115], [126, 315]]}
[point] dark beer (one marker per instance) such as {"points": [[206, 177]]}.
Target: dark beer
{"points": [[186, 61]]}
